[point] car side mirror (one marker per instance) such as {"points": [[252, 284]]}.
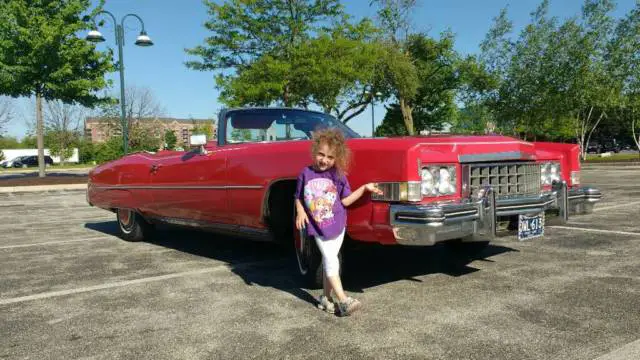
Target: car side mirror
{"points": [[200, 141]]}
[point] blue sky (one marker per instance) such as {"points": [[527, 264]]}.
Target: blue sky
{"points": [[177, 24]]}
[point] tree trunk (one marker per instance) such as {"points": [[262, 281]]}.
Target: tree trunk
{"points": [[40, 135], [407, 116], [636, 137]]}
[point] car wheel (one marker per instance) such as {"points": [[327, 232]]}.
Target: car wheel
{"points": [[459, 247], [309, 259], [132, 226]]}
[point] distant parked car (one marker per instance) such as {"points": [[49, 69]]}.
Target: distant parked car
{"points": [[9, 163], [609, 145], [26, 161]]}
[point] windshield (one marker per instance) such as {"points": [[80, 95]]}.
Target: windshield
{"points": [[256, 125]]}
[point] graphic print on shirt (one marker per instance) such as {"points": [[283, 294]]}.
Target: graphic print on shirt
{"points": [[319, 195]]}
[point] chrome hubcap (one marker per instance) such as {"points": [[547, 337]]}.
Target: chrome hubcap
{"points": [[302, 253], [125, 218]]}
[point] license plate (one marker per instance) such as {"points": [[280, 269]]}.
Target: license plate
{"points": [[530, 226]]}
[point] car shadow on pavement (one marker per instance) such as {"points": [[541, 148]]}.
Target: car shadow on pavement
{"points": [[273, 265], [373, 265]]}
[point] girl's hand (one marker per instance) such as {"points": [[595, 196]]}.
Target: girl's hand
{"points": [[372, 187], [301, 220]]}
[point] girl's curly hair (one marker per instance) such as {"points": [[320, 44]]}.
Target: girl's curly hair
{"points": [[333, 138]]}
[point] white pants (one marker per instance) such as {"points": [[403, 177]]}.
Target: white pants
{"points": [[330, 249]]}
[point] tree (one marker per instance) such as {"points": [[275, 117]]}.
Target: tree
{"points": [[42, 56], [110, 150], [332, 71], [141, 105], [86, 150], [170, 140], [292, 52], [625, 63], [591, 90], [202, 127], [5, 113], [554, 77], [9, 142], [62, 127], [400, 72]]}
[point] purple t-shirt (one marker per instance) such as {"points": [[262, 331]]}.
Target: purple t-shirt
{"points": [[321, 193]]}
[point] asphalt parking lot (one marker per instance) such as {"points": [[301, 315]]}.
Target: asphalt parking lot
{"points": [[69, 288]]}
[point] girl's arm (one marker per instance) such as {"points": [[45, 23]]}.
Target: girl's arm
{"points": [[301, 216], [348, 200]]}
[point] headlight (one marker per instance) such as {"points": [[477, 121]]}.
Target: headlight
{"points": [[428, 184], [438, 180], [575, 178], [398, 191], [549, 172]]}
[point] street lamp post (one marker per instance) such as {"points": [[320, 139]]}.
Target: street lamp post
{"points": [[142, 40], [373, 99]]}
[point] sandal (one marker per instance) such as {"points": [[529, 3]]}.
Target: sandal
{"points": [[326, 304], [348, 307]]}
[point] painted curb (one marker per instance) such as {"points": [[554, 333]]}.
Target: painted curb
{"points": [[47, 170], [35, 188]]}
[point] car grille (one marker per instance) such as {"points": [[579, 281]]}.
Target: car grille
{"points": [[505, 179]]}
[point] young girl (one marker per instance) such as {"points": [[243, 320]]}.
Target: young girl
{"points": [[322, 194]]}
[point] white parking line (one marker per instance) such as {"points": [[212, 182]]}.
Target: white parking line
{"points": [[629, 351], [53, 243], [594, 230], [52, 294], [56, 223], [616, 206]]}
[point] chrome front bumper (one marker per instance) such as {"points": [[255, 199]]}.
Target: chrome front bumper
{"points": [[476, 220]]}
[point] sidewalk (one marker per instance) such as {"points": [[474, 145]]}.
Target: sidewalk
{"points": [[36, 188]]}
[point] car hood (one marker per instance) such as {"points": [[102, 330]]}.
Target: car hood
{"points": [[463, 149]]}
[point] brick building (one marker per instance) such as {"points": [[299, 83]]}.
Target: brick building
{"points": [[99, 129]]}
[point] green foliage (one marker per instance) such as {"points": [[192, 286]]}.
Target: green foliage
{"points": [[61, 143], [30, 142], [393, 125], [143, 137], [400, 72], [245, 30], [426, 77], [109, 150], [557, 79], [203, 127], [474, 119], [41, 53], [9, 142], [240, 135], [170, 140], [293, 53], [86, 151]]}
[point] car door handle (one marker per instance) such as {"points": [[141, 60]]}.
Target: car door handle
{"points": [[155, 168]]}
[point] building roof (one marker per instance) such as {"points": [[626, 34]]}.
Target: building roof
{"points": [[94, 119]]}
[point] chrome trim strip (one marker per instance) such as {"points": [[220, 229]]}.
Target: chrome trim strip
{"points": [[228, 229], [497, 156], [177, 187], [525, 206], [475, 220]]}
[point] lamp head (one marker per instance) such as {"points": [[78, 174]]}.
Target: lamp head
{"points": [[143, 39], [94, 36]]}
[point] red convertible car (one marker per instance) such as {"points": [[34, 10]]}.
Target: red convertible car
{"points": [[456, 189]]}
